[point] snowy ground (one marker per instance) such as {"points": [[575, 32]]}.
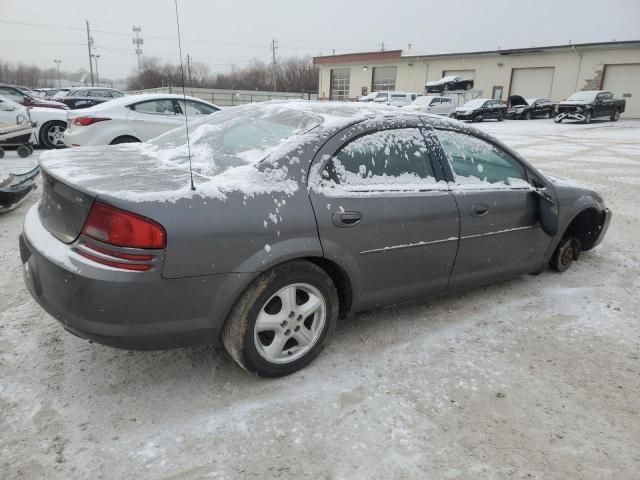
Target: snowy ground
{"points": [[536, 378]]}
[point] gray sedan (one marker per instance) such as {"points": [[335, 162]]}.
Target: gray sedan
{"points": [[291, 215]]}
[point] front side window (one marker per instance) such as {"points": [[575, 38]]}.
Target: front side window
{"points": [[477, 163], [384, 160], [340, 83], [384, 79]]}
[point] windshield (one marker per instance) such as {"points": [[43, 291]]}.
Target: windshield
{"points": [[236, 136], [478, 102], [588, 96]]}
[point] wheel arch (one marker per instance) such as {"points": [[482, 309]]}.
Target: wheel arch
{"points": [[586, 227], [127, 135]]}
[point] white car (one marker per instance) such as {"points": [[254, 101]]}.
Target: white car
{"points": [[135, 118], [395, 99], [432, 104], [50, 122]]}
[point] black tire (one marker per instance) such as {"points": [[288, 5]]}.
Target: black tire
{"points": [[124, 139], [452, 115], [500, 116], [24, 151], [527, 116], [238, 332], [467, 86], [587, 117], [51, 134], [616, 115], [548, 115], [567, 251], [1, 152], [477, 118]]}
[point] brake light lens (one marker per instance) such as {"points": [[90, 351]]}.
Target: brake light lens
{"points": [[84, 121], [124, 229]]}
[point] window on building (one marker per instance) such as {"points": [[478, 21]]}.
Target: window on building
{"points": [[340, 84], [384, 79]]}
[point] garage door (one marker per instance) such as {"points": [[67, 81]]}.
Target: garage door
{"points": [[466, 74], [531, 82], [624, 81]]}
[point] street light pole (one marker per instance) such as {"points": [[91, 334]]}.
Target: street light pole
{"points": [[58, 62], [96, 57]]}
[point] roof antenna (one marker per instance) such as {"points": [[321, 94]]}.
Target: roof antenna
{"points": [[184, 97]]}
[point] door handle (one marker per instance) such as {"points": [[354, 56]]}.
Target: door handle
{"points": [[479, 210], [346, 219]]}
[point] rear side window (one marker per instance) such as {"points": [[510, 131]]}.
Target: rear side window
{"points": [[477, 163], [384, 160], [161, 107]]}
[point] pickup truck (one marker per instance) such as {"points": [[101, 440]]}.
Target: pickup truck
{"points": [[588, 104]]}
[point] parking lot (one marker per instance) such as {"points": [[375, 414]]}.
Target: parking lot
{"points": [[538, 377]]}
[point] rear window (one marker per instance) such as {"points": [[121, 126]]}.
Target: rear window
{"points": [[239, 135]]}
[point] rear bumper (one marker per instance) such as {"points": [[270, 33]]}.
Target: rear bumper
{"points": [[136, 310]]}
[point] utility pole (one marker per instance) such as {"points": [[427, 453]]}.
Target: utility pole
{"points": [[58, 62], [189, 70], [382, 47], [89, 45], [274, 46], [138, 42], [96, 57]]}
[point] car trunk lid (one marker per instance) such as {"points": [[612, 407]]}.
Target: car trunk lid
{"points": [[73, 178]]}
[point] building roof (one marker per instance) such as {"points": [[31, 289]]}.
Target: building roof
{"points": [[395, 54], [358, 57]]}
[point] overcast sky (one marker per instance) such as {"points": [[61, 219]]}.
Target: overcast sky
{"points": [[224, 33]]}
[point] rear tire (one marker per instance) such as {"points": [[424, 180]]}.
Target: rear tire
{"points": [[51, 134], [274, 308], [567, 251], [124, 139], [616, 115]]}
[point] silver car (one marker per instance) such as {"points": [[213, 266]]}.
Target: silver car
{"points": [[296, 213]]}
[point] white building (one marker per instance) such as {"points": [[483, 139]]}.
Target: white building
{"points": [[549, 72]]}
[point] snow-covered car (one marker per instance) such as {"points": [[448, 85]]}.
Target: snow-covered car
{"points": [[296, 212], [395, 99], [50, 122], [450, 82], [134, 118], [432, 104]]}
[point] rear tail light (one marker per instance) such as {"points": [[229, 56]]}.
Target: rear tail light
{"points": [[84, 121], [124, 229], [117, 227]]}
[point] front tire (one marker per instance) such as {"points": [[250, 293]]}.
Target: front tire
{"points": [[52, 134], [282, 321], [500, 116], [567, 251], [587, 117], [527, 116]]}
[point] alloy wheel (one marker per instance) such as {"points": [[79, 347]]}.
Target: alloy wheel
{"points": [[55, 135], [290, 323]]}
